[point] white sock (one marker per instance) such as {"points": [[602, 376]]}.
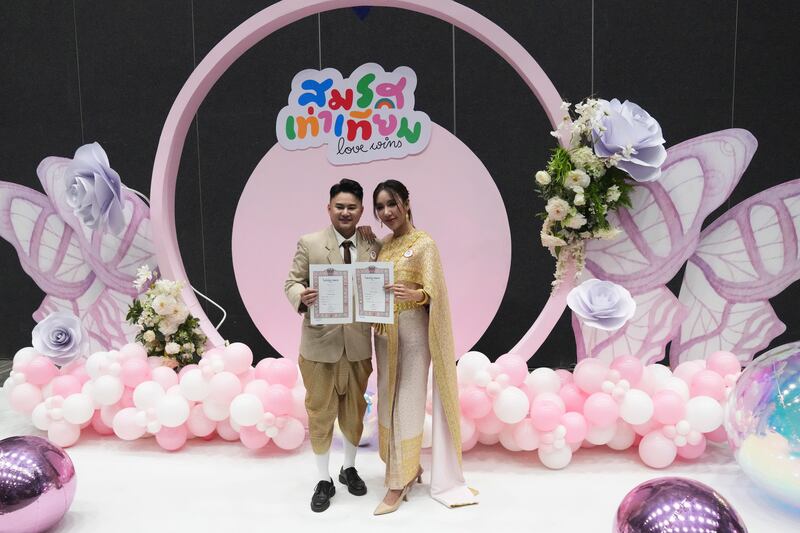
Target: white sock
{"points": [[349, 454], [323, 459]]}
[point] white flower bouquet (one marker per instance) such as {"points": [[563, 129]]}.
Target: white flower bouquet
{"points": [[609, 143], [166, 328]]}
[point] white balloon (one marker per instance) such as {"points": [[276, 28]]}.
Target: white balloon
{"points": [[94, 363], [676, 385], [653, 377], [107, 390], [198, 423], [543, 379], [173, 410], [488, 438], [23, 357], [40, 418], [194, 385], [78, 408], [507, 439], [511, 405], [600, 435], [555, 458], [469, 365], [623, 437], [704, 413], [246, 410], [122, 426], [216, 412], [636, 407], [147, 394], [107, 413], [467, 429]]}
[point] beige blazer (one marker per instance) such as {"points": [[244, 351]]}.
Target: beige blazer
{"points": [[325, 344]]}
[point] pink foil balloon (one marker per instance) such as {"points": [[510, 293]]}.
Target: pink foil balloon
{"points": [[38, 484]]}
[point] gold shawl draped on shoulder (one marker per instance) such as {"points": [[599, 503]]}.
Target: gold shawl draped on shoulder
{"points": [[416, 260]]}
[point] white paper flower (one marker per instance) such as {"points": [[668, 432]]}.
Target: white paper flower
{"points": [[602, 304], [60, 337], [557, 208]]}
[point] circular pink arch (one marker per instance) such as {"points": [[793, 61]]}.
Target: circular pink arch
{"points": [[258, 27]]}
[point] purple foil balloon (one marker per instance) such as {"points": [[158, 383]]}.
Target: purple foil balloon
{"points": [[37, 484], [676, 505]]}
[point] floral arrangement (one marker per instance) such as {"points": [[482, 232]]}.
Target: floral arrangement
{"points": [[607, 145], [167, 330]]}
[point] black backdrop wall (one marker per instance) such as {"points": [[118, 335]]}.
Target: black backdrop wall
{"points": [[83, 70]]}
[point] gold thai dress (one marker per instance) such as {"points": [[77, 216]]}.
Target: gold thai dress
{"points": [[420, 337]]}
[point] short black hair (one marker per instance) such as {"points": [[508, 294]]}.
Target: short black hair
{"points": [[349, 186]]}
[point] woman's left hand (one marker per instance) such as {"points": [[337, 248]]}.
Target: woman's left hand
{"points": [[366, 233], [405, 294]]}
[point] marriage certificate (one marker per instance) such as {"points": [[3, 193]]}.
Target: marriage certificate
{"points": [[374, 303], [334, 303]]}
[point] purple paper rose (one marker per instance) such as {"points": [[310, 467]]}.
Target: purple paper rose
{"points": [[602, 304], [94, 189], [59, 336], [630, 135]]}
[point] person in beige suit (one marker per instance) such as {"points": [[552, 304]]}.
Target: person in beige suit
{"points": [[335, 360]]}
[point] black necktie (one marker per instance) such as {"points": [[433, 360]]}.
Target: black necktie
{"points": [[347, 245]]}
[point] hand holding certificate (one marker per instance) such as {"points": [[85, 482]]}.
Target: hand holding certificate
{"points": [[335, 294], [338, 284], [373, 302]]}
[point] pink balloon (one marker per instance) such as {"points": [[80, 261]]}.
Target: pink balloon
{"points": [[65, 385], [692, 451], [185, 369], [248, 375], [576, 427], [164, 376], [262, 366], [237, 357], [708, 383], [133, 350], [646, 428], [565, 376], [525, 435], [291, 435], [600, 409], [63, 434], [668, 407], [134, 371], [718, 435], [688, 369], [467, 446], [657, 451], [125, 426], [172, 439], [489, 424], [99, 426], [40, 371], [546, 411], [590, 374], [278, 400], [514, 366], [252, 438], [475, 403], [259, 388], [226, 431], [282, 372], [25, 397], [723, 363], [79, 371], [223, 387], [630, 368], [198, 423], [573, 397]]}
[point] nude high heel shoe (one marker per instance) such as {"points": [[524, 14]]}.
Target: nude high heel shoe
{"points": [[385, 508]]}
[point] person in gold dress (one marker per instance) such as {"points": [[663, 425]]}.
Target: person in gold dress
{"points": [[420, 338]]}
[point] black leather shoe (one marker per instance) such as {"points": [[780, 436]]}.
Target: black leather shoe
{"points": [[323, 493], [350, 477]]}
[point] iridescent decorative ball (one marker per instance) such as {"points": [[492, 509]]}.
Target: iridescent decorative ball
{"points": [[762, 420], [676, 505], [37, 484]]}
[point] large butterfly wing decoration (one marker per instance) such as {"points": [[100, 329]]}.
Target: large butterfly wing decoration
{"points": [[745, 257], [87, 272], [659, 233]]}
